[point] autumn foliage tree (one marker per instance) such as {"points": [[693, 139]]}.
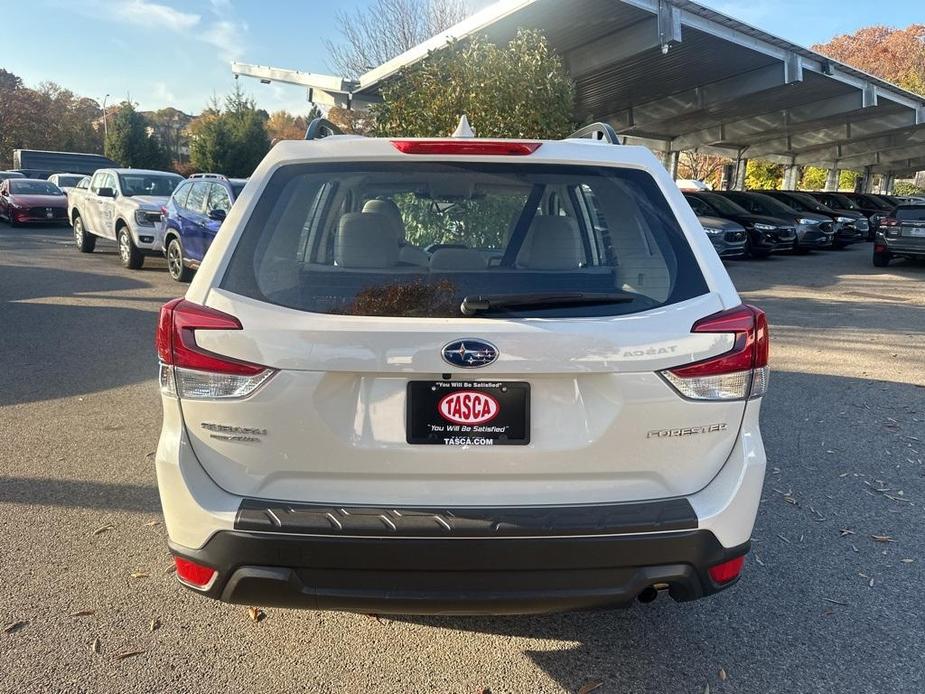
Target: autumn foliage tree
{"points": [[698, 166], [48, 117], [897, 55]]}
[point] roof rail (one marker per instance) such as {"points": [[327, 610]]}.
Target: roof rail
{"points": [[321, 127], [597, 131], [208, 175]]}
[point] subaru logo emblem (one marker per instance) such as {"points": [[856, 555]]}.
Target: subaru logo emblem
{"points": [[469, 354]]}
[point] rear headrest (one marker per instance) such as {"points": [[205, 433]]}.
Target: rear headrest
{"points": [[551, 244], [457, 260], [364, 240], [390, 210]]}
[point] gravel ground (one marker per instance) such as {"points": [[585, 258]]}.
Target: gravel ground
{"points": [[829, 601]]}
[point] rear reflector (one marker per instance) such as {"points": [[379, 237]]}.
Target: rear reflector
{"points": [[196, 575], [462, 147], [192, 372], [728, 570], [740, 373]]}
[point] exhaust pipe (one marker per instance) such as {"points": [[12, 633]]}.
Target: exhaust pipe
{"points": [[650, 593]]}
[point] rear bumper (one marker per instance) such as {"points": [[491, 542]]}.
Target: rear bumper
{"points": [[458, 575], [904, 246]]}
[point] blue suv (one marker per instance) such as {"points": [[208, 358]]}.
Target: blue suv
{"points": [[193, 216]]}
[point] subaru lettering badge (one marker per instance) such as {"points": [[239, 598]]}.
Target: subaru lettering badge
{"points": [[470, 353]]}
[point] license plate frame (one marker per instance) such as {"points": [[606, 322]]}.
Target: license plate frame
{"points": [[916, 232], [425, 425]]}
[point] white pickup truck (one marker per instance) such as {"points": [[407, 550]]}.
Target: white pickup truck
{"points": [[123, 205]]}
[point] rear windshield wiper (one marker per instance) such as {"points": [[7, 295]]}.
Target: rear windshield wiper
{"points": [[480, 303]]}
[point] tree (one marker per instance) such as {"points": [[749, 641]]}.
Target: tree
{"points": [[763, 175], [702, 167], [230, 140], [907, 188], [897, 55], [352, 121], [49, 117], [387, 28], [486, 82], [130, 143], [282, 125]]}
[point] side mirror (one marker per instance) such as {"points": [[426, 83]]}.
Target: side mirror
{"points": [[106, 193], [218, 215]]}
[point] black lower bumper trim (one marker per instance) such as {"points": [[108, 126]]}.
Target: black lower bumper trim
{"points": [[458, 575], [469, 522]]}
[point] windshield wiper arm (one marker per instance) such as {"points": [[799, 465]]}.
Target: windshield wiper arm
{"points": [[480, 303]]}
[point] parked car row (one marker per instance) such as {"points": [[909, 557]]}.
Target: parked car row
{"points": [[145, 212], [776, 220]]}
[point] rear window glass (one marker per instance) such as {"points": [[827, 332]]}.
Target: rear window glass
{"points": [[910, 214], [417, 239]]}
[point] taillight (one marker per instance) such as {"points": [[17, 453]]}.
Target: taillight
{"points": [[738, 374], [464, 146], [890, 226], [193, 574], [728, 570], [192, 372]]}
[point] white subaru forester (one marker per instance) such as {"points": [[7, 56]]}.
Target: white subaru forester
{"points": [[460, 376]]}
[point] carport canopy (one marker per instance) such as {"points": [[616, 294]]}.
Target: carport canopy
{"points": [[673, 75]]}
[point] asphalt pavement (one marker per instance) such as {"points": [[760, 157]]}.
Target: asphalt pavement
{"points": [[830, 600]]}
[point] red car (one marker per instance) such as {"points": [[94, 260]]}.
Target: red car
{"points": [[25, 200]]}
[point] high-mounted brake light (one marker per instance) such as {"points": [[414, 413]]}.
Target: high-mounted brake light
{"points": [[466, 146], [740, 373], [192, 372]]}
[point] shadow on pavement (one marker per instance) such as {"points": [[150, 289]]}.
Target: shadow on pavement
{"points": [[62, 349], [105, 496], [804, 615]]}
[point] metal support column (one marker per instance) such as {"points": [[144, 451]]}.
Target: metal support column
{"points": [[741, 166], [886, 183], [791, 178], [867, 182], [671, 163], [831, 180]]}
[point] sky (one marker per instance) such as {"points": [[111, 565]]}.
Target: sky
{"points": [[177, 52]]}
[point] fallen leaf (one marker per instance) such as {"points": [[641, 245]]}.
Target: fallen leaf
{"points": [[590, 687], [907, 561], [14, 627], [170, 569], [154, 625], [722, 675], [103, 528], [83, 613], [139, 574], [128, 654], [882, 538], [706, 688], [871, 583], [783, 538], [95, 646], [151, 524], [256, 614], [844, 532], [836, 602]]}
